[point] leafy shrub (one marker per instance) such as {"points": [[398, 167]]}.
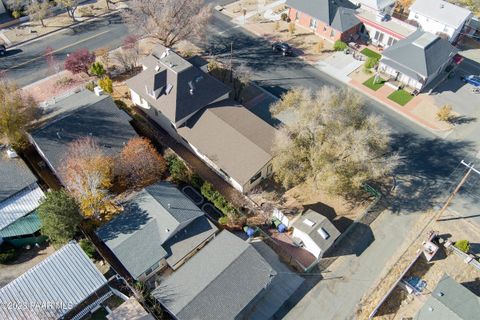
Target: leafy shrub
{"points": [[88, 247], [64, 82], [90, 86], [463, 245], [7, 253], [177, 169], [16, 14], [371, 63], [97, 69], [217, 199], [196, 181], [284, 16], [223, 220], [106, 84], [339, 45]]}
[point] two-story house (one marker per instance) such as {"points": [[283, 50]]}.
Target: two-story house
{"points": [[194, 108], [440, 17]]}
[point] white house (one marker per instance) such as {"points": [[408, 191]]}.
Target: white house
{"points": [[315, 232], [417, 60], [440, 17]]}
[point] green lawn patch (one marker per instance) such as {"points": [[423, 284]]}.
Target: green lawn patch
{"points": [[374, 86], [370, 53], [401, 97]]}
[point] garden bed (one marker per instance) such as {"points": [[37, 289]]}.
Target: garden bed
{"points": [[370, 53], [193, 195], [374, 85], [212, 212], [401, 97]]}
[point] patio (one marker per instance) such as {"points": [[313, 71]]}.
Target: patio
{"points": [[289, 250]]}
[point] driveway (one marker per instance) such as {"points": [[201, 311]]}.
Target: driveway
{"points": [[339, 65]]}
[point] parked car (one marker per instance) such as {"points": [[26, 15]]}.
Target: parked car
{"points": [[472, 79], [3, 50], [283, 47]]}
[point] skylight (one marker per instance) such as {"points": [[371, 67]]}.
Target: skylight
{"points": [[309, 222]]}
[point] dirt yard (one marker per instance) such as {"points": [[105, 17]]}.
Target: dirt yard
{"points": [[26, 260]]}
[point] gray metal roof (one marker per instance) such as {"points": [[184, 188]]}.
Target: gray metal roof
{"points": [[88, 115], [215, 130], [319, 221], [14, 175], [339, 14], [450, 301], [442, 11], [151, 217], [223, 281], [191, 89], [20, 205], [63, 280], [419, 55]]}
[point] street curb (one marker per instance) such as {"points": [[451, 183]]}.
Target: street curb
{"points": [[438, 132], [64, 28]]}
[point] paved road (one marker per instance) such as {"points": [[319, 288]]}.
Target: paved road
{"points": [[422, 179], [26, 63]]}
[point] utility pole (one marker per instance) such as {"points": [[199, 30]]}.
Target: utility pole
{"points": [[460, 184], [231, 62]]}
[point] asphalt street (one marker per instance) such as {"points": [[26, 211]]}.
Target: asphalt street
{"points": [[422, 181], [26, 63]]}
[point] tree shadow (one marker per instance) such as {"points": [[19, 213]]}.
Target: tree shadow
{"points": [[462, 120], [424, 173]]}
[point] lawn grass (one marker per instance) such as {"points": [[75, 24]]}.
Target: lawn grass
{"points": [[374, 86], [401, 97], [371, 54]]}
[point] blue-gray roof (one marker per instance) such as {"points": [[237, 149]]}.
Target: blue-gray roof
{"points": [[86, 115], [450, 301], [419, 55], [63, 280], [14, 176], [339, 14], [225, 280], [157, 223]]}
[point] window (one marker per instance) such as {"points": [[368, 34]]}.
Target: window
{"points": [[380, 38], [390, 41], [377, 34], [297, 16], [149, 270], [256, 177], [313, 23], [156, 112]]}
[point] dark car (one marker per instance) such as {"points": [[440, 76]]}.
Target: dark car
{"points": [[283, 47], [3, 50]]}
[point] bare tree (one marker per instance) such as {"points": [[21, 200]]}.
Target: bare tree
{"points": [[332, 142], [38, 11], [168, 21], [243, 77], [70, 6], [127, 56]]}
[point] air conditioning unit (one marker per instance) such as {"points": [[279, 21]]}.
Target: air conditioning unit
{"points": [[98, 91], [11, 153]]}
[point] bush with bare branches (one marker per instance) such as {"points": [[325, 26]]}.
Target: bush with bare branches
{"points": [[139, 164]]}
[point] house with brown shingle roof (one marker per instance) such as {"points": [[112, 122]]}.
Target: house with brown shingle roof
{"points": [[195, 109]]}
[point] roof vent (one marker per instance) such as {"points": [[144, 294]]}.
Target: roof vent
{"points": [[430, 309], [157, 68], [442, 6], [309, 222], [168, 205], [167, 51], [98, 91], [323, 233], [58, 135], [11, 153], [168, 230], [440, 294]]}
